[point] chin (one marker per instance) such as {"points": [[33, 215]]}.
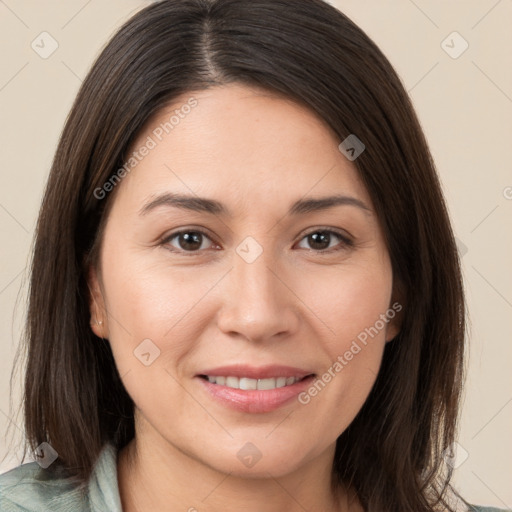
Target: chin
{"points": [[258, 459]]}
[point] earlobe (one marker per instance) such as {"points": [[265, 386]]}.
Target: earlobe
{"points": [[392, 332], [97, 309], [395, 313]]}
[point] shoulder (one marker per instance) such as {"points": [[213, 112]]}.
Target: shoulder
{"points": [[475, 508], [29, 488]]}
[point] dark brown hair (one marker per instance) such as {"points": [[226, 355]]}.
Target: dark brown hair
{"points": [[305, 50]]}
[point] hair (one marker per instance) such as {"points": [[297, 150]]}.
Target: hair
{"points": [[311, 53]]}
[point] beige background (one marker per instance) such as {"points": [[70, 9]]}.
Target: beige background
{"points": [[464, 104]]}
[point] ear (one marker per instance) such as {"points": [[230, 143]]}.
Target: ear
{"points": [[99, 321], [395, 312]]}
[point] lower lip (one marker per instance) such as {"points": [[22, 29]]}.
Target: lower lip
{"points": [[255, 401]]}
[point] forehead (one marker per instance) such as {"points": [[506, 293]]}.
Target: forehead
{"points": [[241, 144]]}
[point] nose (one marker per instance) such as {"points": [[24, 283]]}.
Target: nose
{"points": [[257, 302]]}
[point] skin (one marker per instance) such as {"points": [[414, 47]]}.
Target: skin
{"points": [[294, 305]]}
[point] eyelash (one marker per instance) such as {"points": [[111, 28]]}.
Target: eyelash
{"points": [[346, 242]]}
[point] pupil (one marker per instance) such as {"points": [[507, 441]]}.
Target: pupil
{"points": [[192, 240], [316, 236]]}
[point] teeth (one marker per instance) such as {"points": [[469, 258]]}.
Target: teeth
{"points": [[281, 382], [245, 383], [232, 382]]}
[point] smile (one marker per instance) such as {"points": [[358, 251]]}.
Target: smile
{"points": [[246, 383]]}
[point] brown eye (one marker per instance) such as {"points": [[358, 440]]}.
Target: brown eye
{"points": [[320, 240], [186, 241]]}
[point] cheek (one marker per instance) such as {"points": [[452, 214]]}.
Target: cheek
{"points": [[349, 302], [153, 301], [153, 325], [356, 309], [361, 324]]}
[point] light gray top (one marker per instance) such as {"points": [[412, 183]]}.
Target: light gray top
{"points": [[30, 488]]}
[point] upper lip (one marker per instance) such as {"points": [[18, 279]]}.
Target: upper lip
{"points": [[253, 372]]}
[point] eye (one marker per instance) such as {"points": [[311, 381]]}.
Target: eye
{"points": [[193, 240], [320, 240], [189, 240]]}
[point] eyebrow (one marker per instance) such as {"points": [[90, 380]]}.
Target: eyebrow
{"points": [[204, 205]]}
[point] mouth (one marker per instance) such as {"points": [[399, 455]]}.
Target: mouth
{"points": [[247, 383], [254, 390]]}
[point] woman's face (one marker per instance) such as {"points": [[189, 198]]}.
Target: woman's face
{"points": [[261, 284]]}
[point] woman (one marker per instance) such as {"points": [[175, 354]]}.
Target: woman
{"points": [[238, 301]]}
